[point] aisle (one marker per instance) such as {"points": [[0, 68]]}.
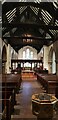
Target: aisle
{"points": [[23, 108]]}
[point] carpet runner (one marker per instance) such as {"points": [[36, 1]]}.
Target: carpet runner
{"points": [[29, 76]]}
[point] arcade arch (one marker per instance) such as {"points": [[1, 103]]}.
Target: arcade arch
{"points": [[51, 61], [4, 59]]}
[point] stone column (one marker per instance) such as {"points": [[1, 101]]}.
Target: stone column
{"points": [[50, 66], [45, 57], [8, 64]]}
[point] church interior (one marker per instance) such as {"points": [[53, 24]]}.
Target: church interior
{"points": [[29, 60]]}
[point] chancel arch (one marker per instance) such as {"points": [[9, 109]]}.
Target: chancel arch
{"points": [[32, 53], [27, 52]]}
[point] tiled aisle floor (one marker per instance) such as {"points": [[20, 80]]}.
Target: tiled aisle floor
{"points": [[23, 108]]}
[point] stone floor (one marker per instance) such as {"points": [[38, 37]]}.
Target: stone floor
{"points": [[23, 107]]}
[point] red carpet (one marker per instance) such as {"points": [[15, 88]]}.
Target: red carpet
{"points": [[28, 76]]}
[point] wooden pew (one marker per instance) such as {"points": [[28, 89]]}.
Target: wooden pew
{"points": [[7, 98], [6, 95], [10, 83], [11, 89], [6, 103], [6, 109], [11, 80], [49, 82]]}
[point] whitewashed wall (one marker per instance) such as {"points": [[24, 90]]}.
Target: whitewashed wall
{"points": [[20, 52]]}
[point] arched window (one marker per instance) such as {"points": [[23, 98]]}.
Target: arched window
{"points": [[4, 59], [27, 54], [31, 54], [23, 54]]}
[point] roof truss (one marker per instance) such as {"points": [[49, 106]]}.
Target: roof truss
{"points": [[40, 20]]}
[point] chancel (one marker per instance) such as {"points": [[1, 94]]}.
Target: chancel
{"points": [[29, 65]]}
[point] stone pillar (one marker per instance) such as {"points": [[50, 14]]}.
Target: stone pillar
{"points": [[8, 64], [50, 66], [45, 57]]}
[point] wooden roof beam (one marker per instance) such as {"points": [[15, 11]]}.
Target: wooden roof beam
{"points": [[16, 24], [32, 37]]}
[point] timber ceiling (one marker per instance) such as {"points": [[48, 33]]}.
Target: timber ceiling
{"points": [[29, 23]]}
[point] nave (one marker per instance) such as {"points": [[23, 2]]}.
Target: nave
{"points": [[29, 42], [23, 108]]}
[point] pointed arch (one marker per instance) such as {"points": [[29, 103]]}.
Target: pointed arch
{"points": [[4, 59], [51, 59], [4, 53]]}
